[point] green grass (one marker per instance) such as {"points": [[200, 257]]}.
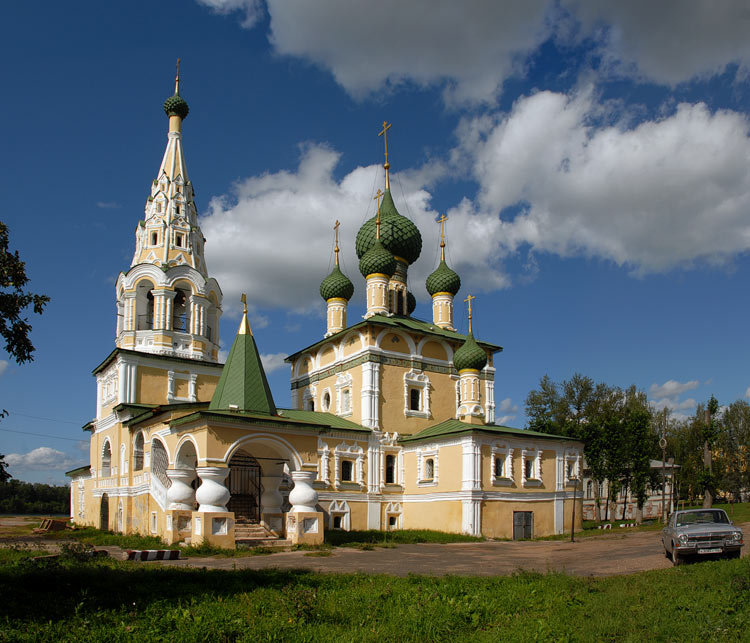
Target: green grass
{"points": [[65, 600], [397, 537]]}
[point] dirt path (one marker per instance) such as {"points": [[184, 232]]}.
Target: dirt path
{"points": [[595, 556], [604, 555]]}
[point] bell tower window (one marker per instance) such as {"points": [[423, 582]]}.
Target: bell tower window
{"points": [[178, 237], [154, 238]]}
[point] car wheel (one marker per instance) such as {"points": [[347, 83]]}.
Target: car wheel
{"points": [[676, 559], [733, 554], [667, 554]]}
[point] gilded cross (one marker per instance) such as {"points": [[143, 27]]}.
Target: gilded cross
{"points": [[336, 248], [442, 221], [177, 79], [384, 134], [243, 299], [468, 300]]}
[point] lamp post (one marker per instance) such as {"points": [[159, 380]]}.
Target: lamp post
{"points": [[663, 445], [573, 516]]}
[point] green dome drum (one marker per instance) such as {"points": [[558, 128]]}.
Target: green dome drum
{"points": [[397, 233], [470, 355], [443, 279], [377, 260], [176, 106], [336, 285]]}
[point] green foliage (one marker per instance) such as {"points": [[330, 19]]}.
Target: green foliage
{"points": [[14, 300], [109, 600], [18, 497], [732, 456]]}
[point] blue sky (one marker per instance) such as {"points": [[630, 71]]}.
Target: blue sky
{"points": [[593, 159]]}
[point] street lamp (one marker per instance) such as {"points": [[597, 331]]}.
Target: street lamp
{"points": [[663, 445]]}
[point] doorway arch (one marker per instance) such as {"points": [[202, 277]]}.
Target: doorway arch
{"points": [[244, 487]]}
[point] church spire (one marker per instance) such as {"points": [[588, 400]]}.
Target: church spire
{"points": [[170, 235], [443, 284]]}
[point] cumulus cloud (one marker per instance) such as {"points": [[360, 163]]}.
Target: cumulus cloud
{"points": [[672, 388], [108, 205], [3, 365], [747, 392], [507, 405], [273, 361], [510, 410], [41, 459], [272, 238], [670, 41], [470, 48], [651, 196]]}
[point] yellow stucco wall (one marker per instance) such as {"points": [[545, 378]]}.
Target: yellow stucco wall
{"points": [[152, 385], [443, 515]]}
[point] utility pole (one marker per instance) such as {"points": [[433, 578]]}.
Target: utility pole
{"points": [[663, 445], [573, 518]]}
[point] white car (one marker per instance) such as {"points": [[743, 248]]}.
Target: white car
{"points": [[701, 532]]}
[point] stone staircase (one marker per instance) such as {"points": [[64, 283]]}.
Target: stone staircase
{"points": [[253, 534]]}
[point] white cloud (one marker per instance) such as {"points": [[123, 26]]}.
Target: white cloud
{"points": [[507, 405], [41, 459], [747, 392], [670, 41], [674, 404], [3, 365], [274, 361], [470, 48], [661, 194], [504, 420], [672, 388], [252, 9], [108, 205], [277, 229]]}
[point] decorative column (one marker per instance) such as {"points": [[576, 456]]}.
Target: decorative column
{"points": [[181, 495], [212, 495], [212, 523], [442, 310], [304, 523], [336, 315], [377, 295]]}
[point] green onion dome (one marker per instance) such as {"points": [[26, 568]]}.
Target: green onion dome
{"points": [[470, 355], [176, 106], [336, 284], [377, 260], [443, 280], [411, 303], [398, 234]]}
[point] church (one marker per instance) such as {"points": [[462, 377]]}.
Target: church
{"points": [[390, 423]]}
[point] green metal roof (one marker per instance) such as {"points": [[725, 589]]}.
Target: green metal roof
{"points": [[453, 427], [398, 234], [404, 323], [443, 279], [337, 284], [74, 472], [243, 382], [470, 355], [291, 418]]}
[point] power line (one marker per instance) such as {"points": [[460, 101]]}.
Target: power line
{"points": [[36, 417], [42, 435]]}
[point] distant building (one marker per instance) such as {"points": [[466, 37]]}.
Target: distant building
{"points": [[652, 508], [391, 422]]}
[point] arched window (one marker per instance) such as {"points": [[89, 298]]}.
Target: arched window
{"points": [[123, 462], [159, 463], [589, 489], [144, 303], [429, 469], [346, 401], [106, 460], [390, 469], [138, 452], [181, 310]]}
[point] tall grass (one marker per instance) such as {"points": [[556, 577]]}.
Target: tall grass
{"points": [[110, 601]]}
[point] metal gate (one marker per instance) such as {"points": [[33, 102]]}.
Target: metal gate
{"points": [[523, 524], [104, 513], [244, 485]]}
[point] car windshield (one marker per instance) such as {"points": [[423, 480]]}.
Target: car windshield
{"points": [[701, 517]]}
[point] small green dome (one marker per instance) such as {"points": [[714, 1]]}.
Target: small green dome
{"points": [[470, 355], [377, 259], [411, 303], [336, 284], [176, 106], [443, 280], [398, 234]]}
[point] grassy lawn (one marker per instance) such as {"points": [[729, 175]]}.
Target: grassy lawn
{"points": [[69, 600]]}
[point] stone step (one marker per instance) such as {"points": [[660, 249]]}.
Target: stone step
{"points": [[276, 543]]}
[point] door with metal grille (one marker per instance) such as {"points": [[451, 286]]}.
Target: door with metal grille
{"points": [[523, 524], [244, 485]]}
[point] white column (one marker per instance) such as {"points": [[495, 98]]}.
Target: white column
{"points": [[271, 500], [212, 495], [181, 495], [472, 465], [370, 395], [303, 497]]}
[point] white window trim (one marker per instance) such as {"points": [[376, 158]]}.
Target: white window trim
{"points": [[422, 457], [307, 395], [340, 508], [398, 480], [344, 382], [326, 407], [324, 470], [415, 379], [507, 455], [535, 456], [349, 452], [394, 509], [574, 458]]}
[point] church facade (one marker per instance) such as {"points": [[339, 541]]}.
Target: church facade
{"points": [[391, 420]]}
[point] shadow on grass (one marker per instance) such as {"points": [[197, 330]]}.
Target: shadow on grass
{"points": [[52, 590], [396, 537]]}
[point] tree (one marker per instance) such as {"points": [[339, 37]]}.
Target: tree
{"points": [[14, 300], [4, 475], [732, 456], [710, 433]]}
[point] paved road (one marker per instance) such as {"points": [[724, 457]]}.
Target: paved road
{"points": [[596, 556]]}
